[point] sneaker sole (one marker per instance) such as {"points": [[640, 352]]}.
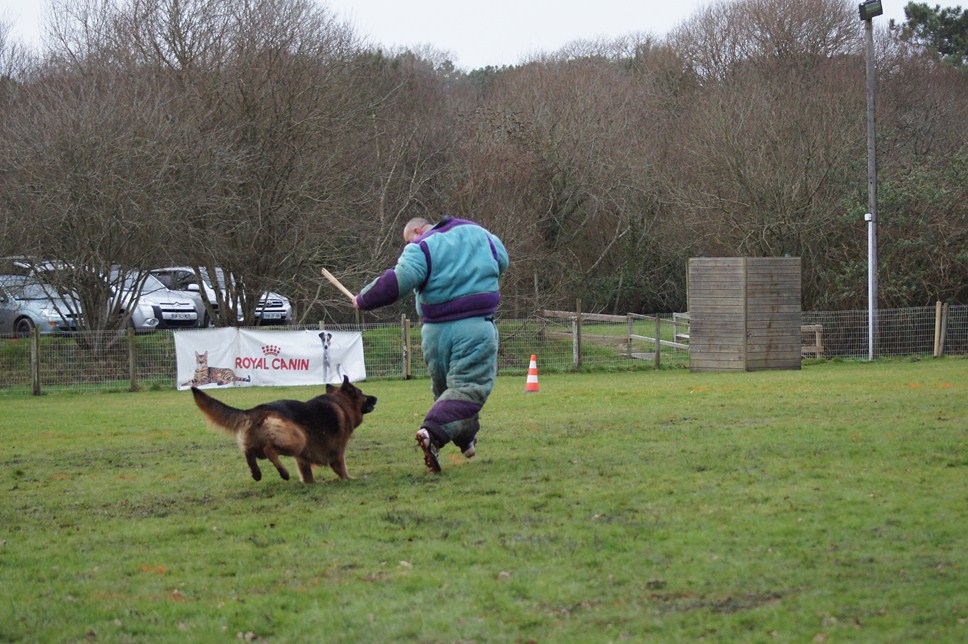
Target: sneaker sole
{"points": [[430, 459]]}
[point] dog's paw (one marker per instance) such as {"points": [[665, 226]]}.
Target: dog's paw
{"points": [[284, 474], [257, 475]]}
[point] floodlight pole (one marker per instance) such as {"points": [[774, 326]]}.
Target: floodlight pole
{"points": [[871, 216]]}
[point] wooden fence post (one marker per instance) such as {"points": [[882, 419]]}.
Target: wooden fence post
{"points": [[35, 361]]}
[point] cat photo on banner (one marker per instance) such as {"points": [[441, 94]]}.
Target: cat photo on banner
{"points": [[206, 375]]}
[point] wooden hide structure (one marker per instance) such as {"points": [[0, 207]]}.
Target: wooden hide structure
{"points": [[745, 313]]}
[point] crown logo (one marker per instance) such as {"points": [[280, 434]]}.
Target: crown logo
{"points": [[271, 350]]}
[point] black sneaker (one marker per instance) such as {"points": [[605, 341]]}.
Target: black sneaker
{"points": [[429, 450]]}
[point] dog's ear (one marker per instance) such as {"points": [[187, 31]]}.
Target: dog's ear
{"points": [[346, 382], [330, 388]]}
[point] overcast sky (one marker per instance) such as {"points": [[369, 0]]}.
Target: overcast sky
{"points": [[477, 34]]}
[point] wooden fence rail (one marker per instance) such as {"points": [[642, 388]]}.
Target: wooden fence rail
{"points": [[680, 333]]}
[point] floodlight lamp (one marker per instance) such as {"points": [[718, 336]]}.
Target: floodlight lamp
{"points": [[870, 8]]}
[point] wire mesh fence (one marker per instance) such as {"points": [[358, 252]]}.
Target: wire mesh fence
{"points": [[561, 341], [922, 331]]}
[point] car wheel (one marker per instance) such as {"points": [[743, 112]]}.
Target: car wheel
{"points": [[23, 328]]}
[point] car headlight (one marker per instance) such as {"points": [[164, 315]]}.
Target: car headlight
{"points": [[147, 314]]}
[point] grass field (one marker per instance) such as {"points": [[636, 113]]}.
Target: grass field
{"points": [[826, 504]]}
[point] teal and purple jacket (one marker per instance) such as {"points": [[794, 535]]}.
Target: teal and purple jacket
{"points": [[453, 268]]}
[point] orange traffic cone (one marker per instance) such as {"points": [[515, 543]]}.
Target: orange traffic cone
{"points": [[532, 376]]}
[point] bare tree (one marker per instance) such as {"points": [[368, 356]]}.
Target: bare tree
{"points": [[260, 84], [10, 80], [923, 174], [92, 171], [767, 144], [580, 131], [724, 36], [94, 165]]}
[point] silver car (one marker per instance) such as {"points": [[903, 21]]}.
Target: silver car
{"points": [[272, 308], [157, 307], [26, 304]]}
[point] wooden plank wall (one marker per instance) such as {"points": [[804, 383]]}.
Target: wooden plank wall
{"points": [[717, 312], [773, 313], [745, 313]]}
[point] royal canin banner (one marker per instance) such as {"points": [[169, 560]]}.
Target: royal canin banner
{"points": [[230, 357]]}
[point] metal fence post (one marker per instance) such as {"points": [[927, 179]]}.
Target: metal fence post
{"points": [[405, 346], [631, 326], [658, 343], [944, 328], [35, 361], [132, 363], [576, 337], [937, 328]]}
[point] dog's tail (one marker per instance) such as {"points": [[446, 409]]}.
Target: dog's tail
{"points": [[228, 419]]}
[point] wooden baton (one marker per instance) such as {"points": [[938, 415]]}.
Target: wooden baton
{"points": [[335, 282]]}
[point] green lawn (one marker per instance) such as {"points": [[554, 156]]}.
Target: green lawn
{"points": [[826, 504]]}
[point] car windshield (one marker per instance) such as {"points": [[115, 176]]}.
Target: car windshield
{"points": [[181, 279], [27, 289], [34, 291], [151, 283]]}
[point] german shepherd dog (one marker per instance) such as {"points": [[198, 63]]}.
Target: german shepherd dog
{"points": [[315, 432]]}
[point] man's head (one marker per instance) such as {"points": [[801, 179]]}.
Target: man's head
{"points": [[415, 228]]}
